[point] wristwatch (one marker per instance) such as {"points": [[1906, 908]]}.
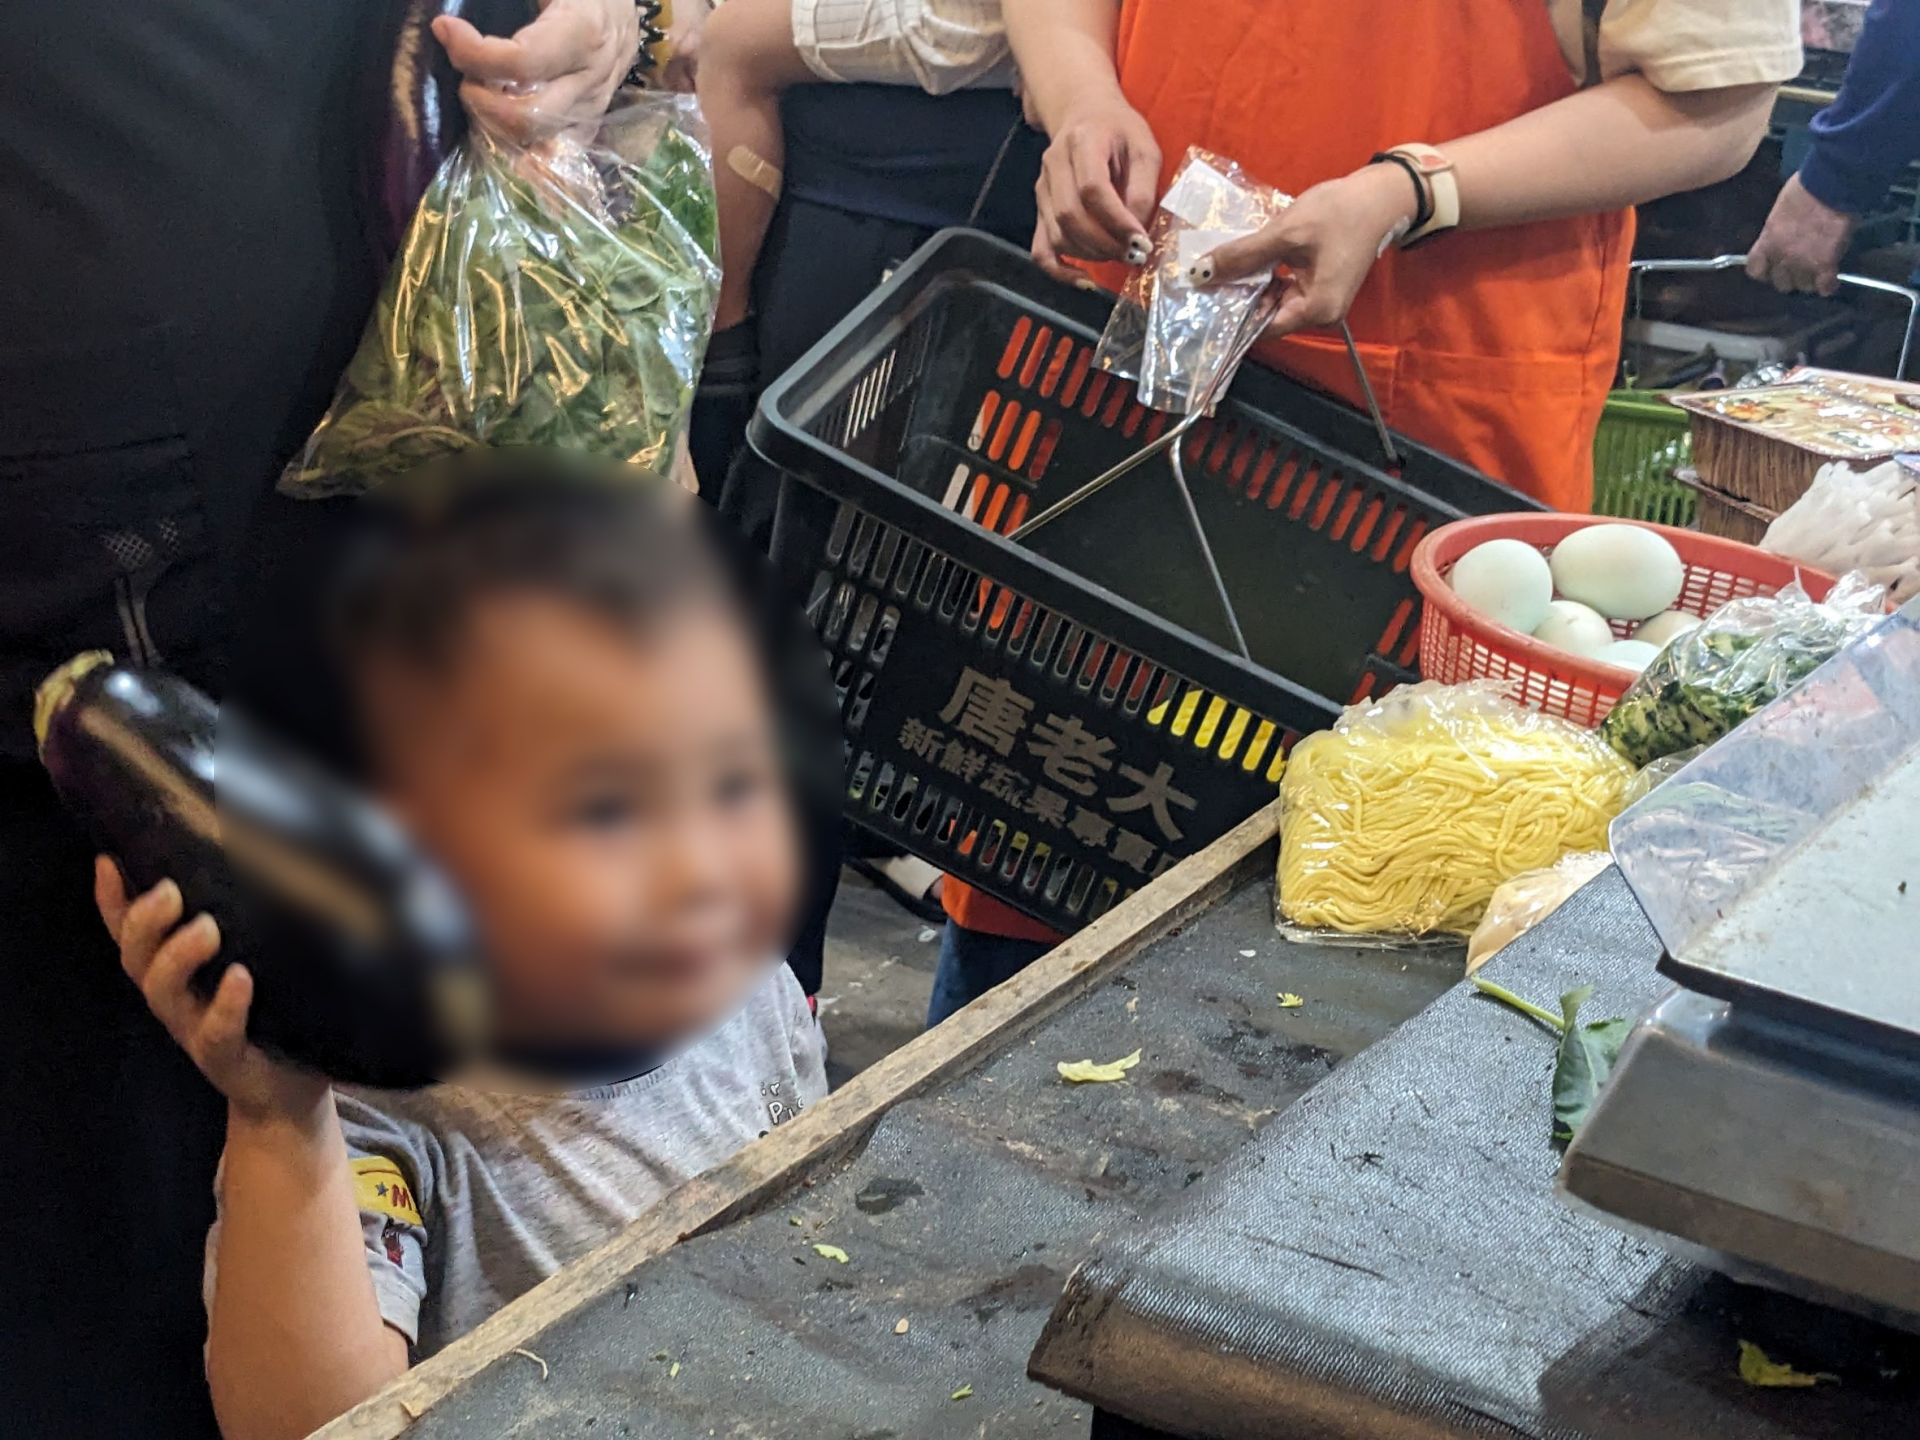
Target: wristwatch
{"points": [[1438, 207], [654, 17]]}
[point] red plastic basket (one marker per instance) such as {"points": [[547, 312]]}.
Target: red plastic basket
{"points": [[1457, 643]]}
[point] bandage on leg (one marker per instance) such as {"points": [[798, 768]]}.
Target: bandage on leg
{"points": [[755, 171]]}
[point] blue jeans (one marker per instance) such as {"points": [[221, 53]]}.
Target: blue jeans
{"points": [[972, 962]]}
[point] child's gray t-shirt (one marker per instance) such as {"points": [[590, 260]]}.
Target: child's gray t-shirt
{"points": [[469, 1198]]}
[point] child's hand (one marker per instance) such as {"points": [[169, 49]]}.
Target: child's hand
{"points": [[160, 955]]}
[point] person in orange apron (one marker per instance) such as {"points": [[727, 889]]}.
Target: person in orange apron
{"points": [[1533, 124]]}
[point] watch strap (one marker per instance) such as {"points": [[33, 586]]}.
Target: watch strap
{"points": [[1422, 197], [1442, 188]]}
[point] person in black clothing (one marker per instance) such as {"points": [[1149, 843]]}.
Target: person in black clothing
{"points": [[183, 275], [872, 173]]}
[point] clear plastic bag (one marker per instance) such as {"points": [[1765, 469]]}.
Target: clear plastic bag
{"points": [[1857, 520], [1740, 659], [557, 293], [1652, 777], [1524, 901], [1405, 817], [1181, 341]]}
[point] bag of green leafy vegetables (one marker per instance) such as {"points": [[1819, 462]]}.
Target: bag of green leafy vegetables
{"points": [[1740, 659], [555, 293]]}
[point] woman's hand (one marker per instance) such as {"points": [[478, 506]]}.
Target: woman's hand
{"points": [[558, 70], [161, 955], [1327, 241], [1803, 243], [1097, 188]]}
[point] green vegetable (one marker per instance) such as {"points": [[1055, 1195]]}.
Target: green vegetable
{"points": [[1587, 1052], [1744, 656], [558, 296], [1587, 1055]]}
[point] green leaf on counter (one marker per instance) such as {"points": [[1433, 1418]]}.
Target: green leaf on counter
{"points": [[1587, 1054]]}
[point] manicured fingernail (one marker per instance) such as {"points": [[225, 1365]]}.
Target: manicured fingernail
{"points": [[167, 893], [205, 926], [1083, 283], [1138, 249], [1201, 271]]}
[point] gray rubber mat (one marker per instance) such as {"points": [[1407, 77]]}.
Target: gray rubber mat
{"points": [[1388, 1261], [962, 1215]]}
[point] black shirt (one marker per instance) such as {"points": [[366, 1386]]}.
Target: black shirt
{"points": [[182, 277]]}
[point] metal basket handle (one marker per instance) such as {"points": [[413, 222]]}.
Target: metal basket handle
{"points": [[1739, 262]]}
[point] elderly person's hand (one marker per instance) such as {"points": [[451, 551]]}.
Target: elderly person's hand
{"points": [[558, 70], [1327, 241], [1803, 243], [1097, 187]]}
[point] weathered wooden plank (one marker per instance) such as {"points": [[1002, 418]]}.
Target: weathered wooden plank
{"points": [[764, 1170]]}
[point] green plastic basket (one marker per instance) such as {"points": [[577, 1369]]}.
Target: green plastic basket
{"points": [[1641, 441]]}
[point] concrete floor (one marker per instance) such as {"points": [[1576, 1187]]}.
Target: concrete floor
{"points": [[879, 973]]}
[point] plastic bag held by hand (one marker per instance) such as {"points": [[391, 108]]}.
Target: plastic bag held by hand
{"points": [[1179, 340], [1406, 816], [1741, 658], [559, 293]]}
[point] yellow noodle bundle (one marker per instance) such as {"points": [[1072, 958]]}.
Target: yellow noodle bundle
{"points": [[1410, 812]]}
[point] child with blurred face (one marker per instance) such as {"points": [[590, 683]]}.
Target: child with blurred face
{"points": [[564, 698]]}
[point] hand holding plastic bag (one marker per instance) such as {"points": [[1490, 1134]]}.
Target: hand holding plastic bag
{"points": [[559, 69], [1180, 340], [558, 293]]}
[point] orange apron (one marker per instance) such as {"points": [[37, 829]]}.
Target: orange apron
{"points": [[1494, 346]]}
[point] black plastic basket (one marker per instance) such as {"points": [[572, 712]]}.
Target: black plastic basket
{"points": [[1058, 721]]}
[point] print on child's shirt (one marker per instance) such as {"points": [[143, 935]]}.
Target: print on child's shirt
{"points": [[782, 1105]]}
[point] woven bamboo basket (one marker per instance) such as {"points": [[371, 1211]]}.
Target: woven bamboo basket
{"points": [[1719, 513]]}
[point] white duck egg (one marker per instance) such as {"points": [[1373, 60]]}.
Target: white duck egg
{"points": [[1505, 580], [1623, 571], [1634, 655], [1573, 627], [1666, 626]]}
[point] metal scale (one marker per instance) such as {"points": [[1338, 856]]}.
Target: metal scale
{"points": [[1764, 1119]]}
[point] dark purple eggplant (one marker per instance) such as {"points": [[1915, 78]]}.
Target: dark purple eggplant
{"points": [[416, 117], [364, 959]]}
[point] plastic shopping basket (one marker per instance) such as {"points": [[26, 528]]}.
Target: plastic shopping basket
{"points": [[1641, 442], [1057, 722]]}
